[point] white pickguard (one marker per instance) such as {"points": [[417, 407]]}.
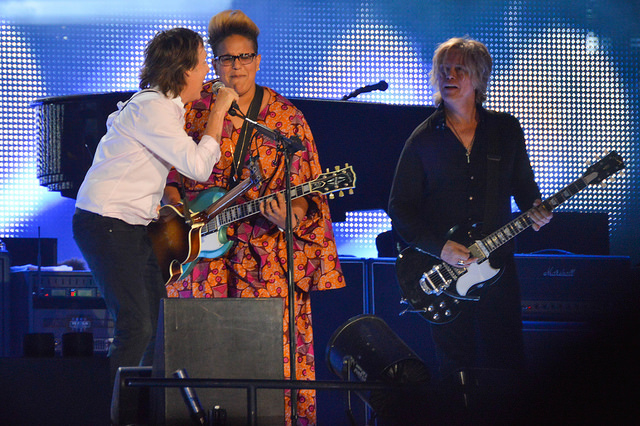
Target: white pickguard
{"points": [[212, 242], [476, 273]]}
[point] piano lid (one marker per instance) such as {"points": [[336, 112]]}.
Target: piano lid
{"points": [[68, 131]]}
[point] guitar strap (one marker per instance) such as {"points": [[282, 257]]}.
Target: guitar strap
{"points": [[493, 165], [245, 137]]}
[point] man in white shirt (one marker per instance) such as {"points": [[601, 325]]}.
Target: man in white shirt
{"points": [[121, 192]]}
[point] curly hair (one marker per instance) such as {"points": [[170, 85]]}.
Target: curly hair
{"points": [[475, 56], [167, 57], [232, 22]]}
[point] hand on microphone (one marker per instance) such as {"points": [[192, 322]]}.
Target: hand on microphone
{"points": [[226, 97], [233, 108]]}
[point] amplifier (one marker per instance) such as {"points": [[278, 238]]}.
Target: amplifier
{"points": [[575, 287], [56, 302]]}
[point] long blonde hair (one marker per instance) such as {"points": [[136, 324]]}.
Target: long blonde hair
{"points": [[475, 56]]}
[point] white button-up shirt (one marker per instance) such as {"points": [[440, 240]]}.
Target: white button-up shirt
{"points": [[144, 139]]}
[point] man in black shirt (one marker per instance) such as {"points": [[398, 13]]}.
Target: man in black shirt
{"points": [[441, 181]]}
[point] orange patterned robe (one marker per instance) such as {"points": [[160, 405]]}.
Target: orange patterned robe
{"points": [[255, 266]]}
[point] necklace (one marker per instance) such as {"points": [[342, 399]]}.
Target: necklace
{"points": [[455, 132]]}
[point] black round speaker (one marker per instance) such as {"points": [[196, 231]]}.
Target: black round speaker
{"points": [[366, 348]]}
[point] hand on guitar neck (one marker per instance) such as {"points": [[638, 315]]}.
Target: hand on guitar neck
{"points": [[456, 254], [539, 215]]}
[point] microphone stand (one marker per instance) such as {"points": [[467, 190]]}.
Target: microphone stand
{"points": [[288, 147]]}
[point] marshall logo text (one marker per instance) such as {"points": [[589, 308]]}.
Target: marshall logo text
{"points": [[557, 272]]}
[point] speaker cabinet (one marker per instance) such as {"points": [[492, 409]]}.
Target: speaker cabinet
{"points": [[330, 309], [386, 304], [575, 288], [566, 233], [25, 251], [219, 339]]}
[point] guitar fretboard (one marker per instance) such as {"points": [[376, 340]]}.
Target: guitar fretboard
{"points": [[252, 207]]}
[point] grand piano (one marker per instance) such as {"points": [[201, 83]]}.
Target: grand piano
{"points": [[367, 136]]}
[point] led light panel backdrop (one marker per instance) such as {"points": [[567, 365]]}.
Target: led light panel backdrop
{"points": [[569, 72]]}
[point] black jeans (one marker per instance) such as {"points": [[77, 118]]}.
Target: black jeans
{"points": [[488, 334], [126, 271]]}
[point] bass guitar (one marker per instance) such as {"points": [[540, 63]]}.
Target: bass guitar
{"points": [[207, 238], [439, 291]]}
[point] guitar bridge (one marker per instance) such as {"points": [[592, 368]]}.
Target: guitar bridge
{"points": [[434, 282]]}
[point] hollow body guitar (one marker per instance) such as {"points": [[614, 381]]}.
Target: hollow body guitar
{"points": [[179, 244], [439, 291], [176, 236]]}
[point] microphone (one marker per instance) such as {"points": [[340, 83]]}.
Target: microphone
{"points": [[191, 400], [294, 143], [382, 86], [219, 85]]}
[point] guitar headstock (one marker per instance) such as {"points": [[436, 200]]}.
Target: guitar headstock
{"points": [[607, 166], [334, 181]]}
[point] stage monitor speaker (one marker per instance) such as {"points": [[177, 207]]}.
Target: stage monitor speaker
{"points": [[219, 339]]}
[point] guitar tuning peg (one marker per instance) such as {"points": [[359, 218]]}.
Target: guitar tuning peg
{"points": [[336, 168], [327, 170], [341, 194], [351, 191], [331, 196]]}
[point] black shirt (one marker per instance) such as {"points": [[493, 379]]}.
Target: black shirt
{"points": [[436, 187]]}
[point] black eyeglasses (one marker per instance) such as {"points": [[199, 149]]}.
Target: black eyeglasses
{"points": [[243, 58]]}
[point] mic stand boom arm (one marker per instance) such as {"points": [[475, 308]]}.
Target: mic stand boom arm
{"points": [[291, 145]]}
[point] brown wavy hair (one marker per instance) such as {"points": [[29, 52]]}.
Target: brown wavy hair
{"points": [[167, 57]]}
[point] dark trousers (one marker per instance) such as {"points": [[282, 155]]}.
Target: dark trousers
{"points": [[488, 334], [126, 271]]}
